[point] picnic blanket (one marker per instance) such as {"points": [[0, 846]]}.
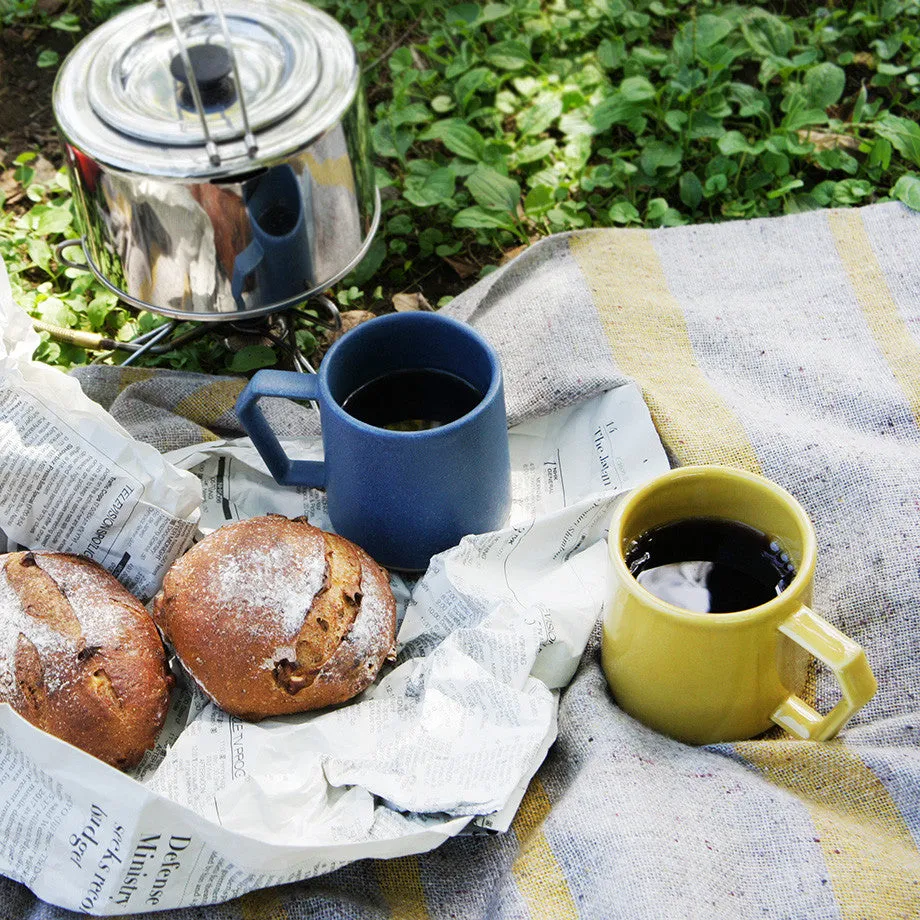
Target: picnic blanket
{"points": [[790, 347]]}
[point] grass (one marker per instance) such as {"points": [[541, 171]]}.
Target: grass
{"points": [[497, 123]]}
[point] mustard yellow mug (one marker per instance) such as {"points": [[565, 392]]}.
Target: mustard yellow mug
{"points": [[709, 677]]}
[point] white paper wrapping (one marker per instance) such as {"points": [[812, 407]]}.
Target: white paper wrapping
{"points": [[444, 742]]}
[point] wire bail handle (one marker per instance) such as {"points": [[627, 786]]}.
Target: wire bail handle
{"points": [[195, 89]]}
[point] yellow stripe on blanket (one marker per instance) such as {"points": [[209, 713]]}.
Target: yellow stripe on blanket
{"points": [[209, 403], [539, 876], [131, 375], [650, 342], [870, 853], [874, 298], [400, 880]]}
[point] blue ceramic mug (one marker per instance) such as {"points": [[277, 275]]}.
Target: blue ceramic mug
{"points": [[403, 495]]}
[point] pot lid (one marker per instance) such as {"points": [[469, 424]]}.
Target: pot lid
{"points": [[124, 94], [139, 85]]}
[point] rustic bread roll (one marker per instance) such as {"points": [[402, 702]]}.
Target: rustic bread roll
{"points": [[80, 657], [273, 616]]}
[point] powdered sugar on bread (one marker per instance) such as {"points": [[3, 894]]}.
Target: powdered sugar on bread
{"points": [[273, 616]]}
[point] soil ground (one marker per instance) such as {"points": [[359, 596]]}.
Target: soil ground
{"points": [[26, 115]]}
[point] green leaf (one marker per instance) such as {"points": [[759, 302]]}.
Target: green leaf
{"points": [[492, 190], [470, 83], [508, 55], [824, 85], [903, 134], [750, 100], [859, 106], [51, 219], [251, 357], [40, 254], [615, 109], [479, 219], [880, 154], [785, 188], [767, 34], [803, 118], [436, 188], [539, 116], [710, 30], [400, 225], [611, 53], [637, 89], [907, 189], [389, 141], [463, 14], [539, 200], [53, 310], [533, 152], [68, 22], [494, 11], [47, 58], [659, 155], [715, 185], [691, 190], [732, 143], [458, 137], [623, 213], [415, 114]]}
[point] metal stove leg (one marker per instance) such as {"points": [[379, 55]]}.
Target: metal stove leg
{"points": [[148, 341]]}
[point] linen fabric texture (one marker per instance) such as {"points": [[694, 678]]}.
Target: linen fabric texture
{"points": [[789, 347]]}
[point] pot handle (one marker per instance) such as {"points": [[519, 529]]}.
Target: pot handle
{"points": [[67, 244]]}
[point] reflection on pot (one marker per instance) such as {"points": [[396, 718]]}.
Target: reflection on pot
{"points": [[212, 248], [277, 262]]}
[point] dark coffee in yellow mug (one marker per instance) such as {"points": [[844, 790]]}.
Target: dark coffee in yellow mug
{"points": [[702, 676]]}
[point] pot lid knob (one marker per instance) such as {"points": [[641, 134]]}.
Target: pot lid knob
{"points": [[211, 68]]}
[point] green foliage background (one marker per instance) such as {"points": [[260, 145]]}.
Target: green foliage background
{"points": [[497, 123]]}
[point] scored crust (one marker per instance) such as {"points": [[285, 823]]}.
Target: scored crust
{"points": [[80, 657], [273, 616]]}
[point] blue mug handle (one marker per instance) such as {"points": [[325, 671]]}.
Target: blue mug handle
{"points": [[244, 265], [286, 471]]}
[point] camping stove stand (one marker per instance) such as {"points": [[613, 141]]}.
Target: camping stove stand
{"points": [[280, 329]]}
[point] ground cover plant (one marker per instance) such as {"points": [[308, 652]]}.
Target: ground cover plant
{"points": [[497, 123]]}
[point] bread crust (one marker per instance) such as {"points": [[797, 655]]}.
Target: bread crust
{"points": [[273, 616], [80, 657]]}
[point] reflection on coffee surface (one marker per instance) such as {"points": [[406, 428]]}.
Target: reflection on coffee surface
{"points": [[412, 400], [710, 565]]}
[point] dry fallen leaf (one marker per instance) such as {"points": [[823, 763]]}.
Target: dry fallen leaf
{"points": [[9, 187], [404, 303], [45, 171], [827, 140], [352, 318], [462, 268], [511, 254]]}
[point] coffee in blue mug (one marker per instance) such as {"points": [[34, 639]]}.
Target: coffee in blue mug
{"points": [[415, 435]]}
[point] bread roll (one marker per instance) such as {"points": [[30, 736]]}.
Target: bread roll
{"points": [[80, 657], [273, 616]]}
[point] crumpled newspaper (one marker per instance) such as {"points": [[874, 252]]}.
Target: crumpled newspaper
{"points": [[443, 743]]}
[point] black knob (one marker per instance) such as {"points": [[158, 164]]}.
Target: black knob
{"points": [[211, 67]]}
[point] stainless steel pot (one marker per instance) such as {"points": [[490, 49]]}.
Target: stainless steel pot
{"points": [[219, 155]]}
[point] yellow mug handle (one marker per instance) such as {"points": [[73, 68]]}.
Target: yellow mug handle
{"points": [[848, 662]]}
